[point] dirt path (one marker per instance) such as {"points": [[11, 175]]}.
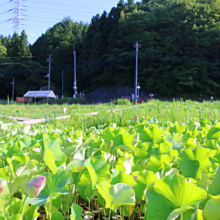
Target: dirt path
{"points": [[30, 121]]}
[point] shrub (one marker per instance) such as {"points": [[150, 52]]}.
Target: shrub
{"points": [[122, 102]]}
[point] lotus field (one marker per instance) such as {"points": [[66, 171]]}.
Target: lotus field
{"points": [[139, 167]]}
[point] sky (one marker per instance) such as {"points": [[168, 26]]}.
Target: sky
{"points": [[39, 15]]}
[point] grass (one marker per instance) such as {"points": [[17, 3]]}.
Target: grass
{"points": [[51, 111], [154, 110], [164, 112]]}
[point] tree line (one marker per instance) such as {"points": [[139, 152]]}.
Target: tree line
{"points": [[179, 56]]}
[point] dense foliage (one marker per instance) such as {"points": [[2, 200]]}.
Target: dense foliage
{"points": [[179, 55], [148, 169]]}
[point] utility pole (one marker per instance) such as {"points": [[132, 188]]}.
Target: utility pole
{"points": [[48, 75], [13, 88], [74, 84], [137, 46], [62, 82]]}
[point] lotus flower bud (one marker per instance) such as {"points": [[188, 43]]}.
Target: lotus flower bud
{"points": [[111, 144], [35, 186], [136, 118], [2, 184], [135, 177]]}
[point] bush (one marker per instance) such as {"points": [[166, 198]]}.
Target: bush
{"points": [[122, 102]]}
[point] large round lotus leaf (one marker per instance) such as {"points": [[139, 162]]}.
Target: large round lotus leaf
{"points": [[170, 193], [194, 162], [55, 184], [150, 134], [116, 195], [109, 134], [214, 133], [123, 139], [142, 152], [159, 163], [121, 177], [87, 182], [101, 168], [212, 210], [144, 180], [216, 182], [76, 212]]}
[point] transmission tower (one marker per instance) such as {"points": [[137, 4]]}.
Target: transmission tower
{"points": [[17, 17]]}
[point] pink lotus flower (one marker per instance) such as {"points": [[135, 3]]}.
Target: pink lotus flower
{"points": [[35, 186]]}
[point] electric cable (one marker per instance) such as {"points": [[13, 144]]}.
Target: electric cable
{"points": [[4, 3], [51, 9], [52, 3], [5, 29], [56, 12]]}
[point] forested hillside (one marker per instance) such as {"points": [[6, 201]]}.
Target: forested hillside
{"points": [[179, 56]]}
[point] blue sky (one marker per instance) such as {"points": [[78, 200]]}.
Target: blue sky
{"points": [[39, 15]]}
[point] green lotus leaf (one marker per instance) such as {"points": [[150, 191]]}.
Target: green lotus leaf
{"points": [[158, 164], [124, 139], [150, 134], [125, 164], [177, 129], [58, 154], [56, 184], [14, 206], [214, 133], [116, 195], [75, 166], [194, 162], [26, 143], [101, 168], [126, 210], [142, 152], [216, 182], [87, 182], [145, 180], [121, 177], [170, 193], [30, 213], [76, 212], [27, 169], [211, 210], [109, 134], [15, 217], [57, 216], [49, 159]]}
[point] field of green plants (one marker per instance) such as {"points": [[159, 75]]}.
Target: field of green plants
{"points": [[50, 111], [154, 161]]}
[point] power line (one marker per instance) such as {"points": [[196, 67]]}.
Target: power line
{"points": [[52, 3], [5, 21], [40, 21], [4, 3], [51, 9], [5, 29], [56, 12], [5, 11]]}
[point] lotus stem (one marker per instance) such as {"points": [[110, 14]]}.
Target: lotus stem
{"points": [[109, 216], [49, 215], [181, 216], [22, 209]]}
